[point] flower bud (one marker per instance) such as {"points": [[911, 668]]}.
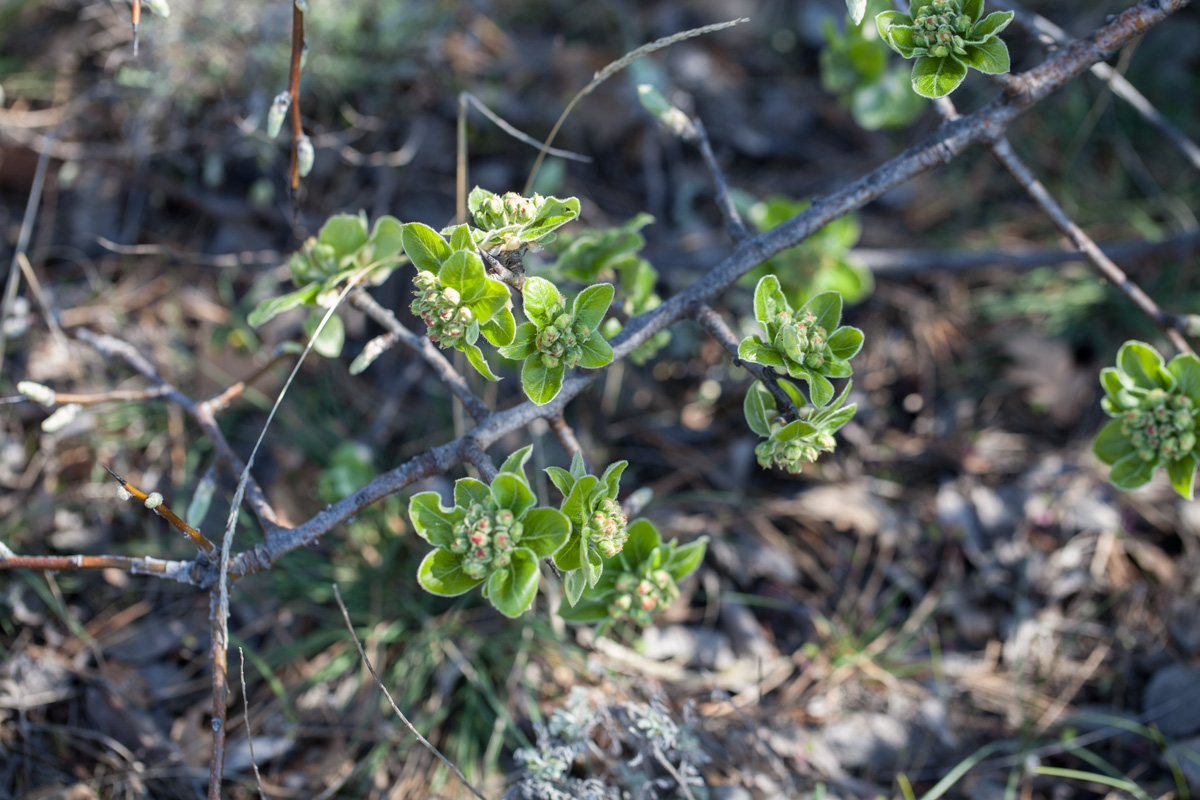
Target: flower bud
{"points": [[305, 155], [277, 112]]}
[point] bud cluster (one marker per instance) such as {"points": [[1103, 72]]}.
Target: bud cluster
{"points": [[501, 211], [791, 454], [561, 342], [812, 341], [439, 306], [638, 598], [1163, 427], [607, 528], [486, 538], [940, 28]]}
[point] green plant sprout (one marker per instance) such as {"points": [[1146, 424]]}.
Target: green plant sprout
{"points": [[791, 444], [639, 580], [598, 526], [555, 339], [809, 343], [1156, 406], [493, 535], [946, 37]]}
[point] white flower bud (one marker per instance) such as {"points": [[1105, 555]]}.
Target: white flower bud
{"points": [[61, 418], [305, 155], [37, 392], [159, 7], [278, 111], [123, 493], [154, 501]]}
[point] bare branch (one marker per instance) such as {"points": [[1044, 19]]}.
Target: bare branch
{"points": [[711, 321], [155, 503], [733, 220], [566, 437], [182, 571]]}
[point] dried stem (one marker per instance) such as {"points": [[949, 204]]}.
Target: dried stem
{"points": [[155, 503], [114, 396], [182, 571], [219, 657], [294, 92], [424, 742], [566, 437], [246, 718]]}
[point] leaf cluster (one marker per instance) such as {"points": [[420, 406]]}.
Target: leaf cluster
{"points": [[590, 503]]}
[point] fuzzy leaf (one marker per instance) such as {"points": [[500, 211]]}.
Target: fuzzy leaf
{"points": [[539, 299], [578, 468], [500, 329], [768, 302], [592, 304], [990, 57], [1131, 472], [425, 247], [820, 390], [554, 213], [937, 77], [441, 573], [643, 538], [470, 490], [586, 613], [268, 309], [839, 418], [845, 343], [1186, 370], [686, 559], [889, 19], [788, 342], [856, 9], [523, 344], [541, 383], [463, 270], [593, 566], [576, 505], [475, 357], [973, 9], [561, 479], [827, 307], [571, 555], [460, 238], [545, 531], [512, 589], [387, 238], [611, 479], [991, 25], [758, 401], [1183, 475], [1144, 366], [596, 352], [1111, 445], [797, 429], [757, 351], [345, 233], [513, 493], [432, 522], [515, 463], [573, 585]]}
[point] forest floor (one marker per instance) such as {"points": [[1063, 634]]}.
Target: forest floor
{"points": [[957, 591]]}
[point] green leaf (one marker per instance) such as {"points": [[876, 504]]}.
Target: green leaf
{"points": [[512, 589], [345, 233], [476, 199], [992, 25], [1111, 445], [463, 271], [845, 343], [441, 573], [889, 19], [425, 247], [571, 555], [554, 213], [576, 505], [476, 359], [856, 9], [596, 352], [432, 522], [832, 368], [515, 463], [1185, 368], [588, 612], [540, 298], [387, 238], [827, 307], [275, 306], [1183, 475], [578, 468], [787, 341], [611, 479], [500, 329], [331, 338], [973, 9], [686, 559], [768, 302], [1131, 472], [512, 492], [593, 567], [990, 57], [541, 383], [937, 77], [523, 344], [470, 490], [561, 479], [758, 401], [902, 39], [545, 531], [460, 238], [820, 390], [756, 351], [1144, 366], [592, 304], [574, 583], [643, 538]]}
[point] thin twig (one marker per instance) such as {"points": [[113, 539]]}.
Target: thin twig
{"points": [[481, 461], [219, 660], [154, 502], [421, 345], [519, 135], [712, 323], [733, 220], [612, 69], [31, 209], [412, 729], [221, 400], [181, 571], [294, 93], [566, 437], [246, 718], [113, 396], [51, 320]]}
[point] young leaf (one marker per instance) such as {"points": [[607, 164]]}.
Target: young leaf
{"points": [[512, 589], [768, 301], [470, 490], [425, 247], [513, 493], [1183, 475], [888, 20], [432, 522], [463, 270], [578, 468], [545, 531], [539, 298], [1111, 445], [937, 77], [460, 238], [271, 308], [345, 233], [475, 357], [571, 555], [561, 479], [596, 352], [441, 573], [973, 9], [686, 559], [331, 338], [500, 329], [611, 479], [827, 307], [755, 350], [992, 25], [515, 463], [755, 407], [845, 343], [593, 566], [643, 538], [541, 383], [1143, 364], [1131, 472], [856, 9], [1185, 368], [990, 57], [576, 505], [592, 304], [523, 343], [574, 583]]}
